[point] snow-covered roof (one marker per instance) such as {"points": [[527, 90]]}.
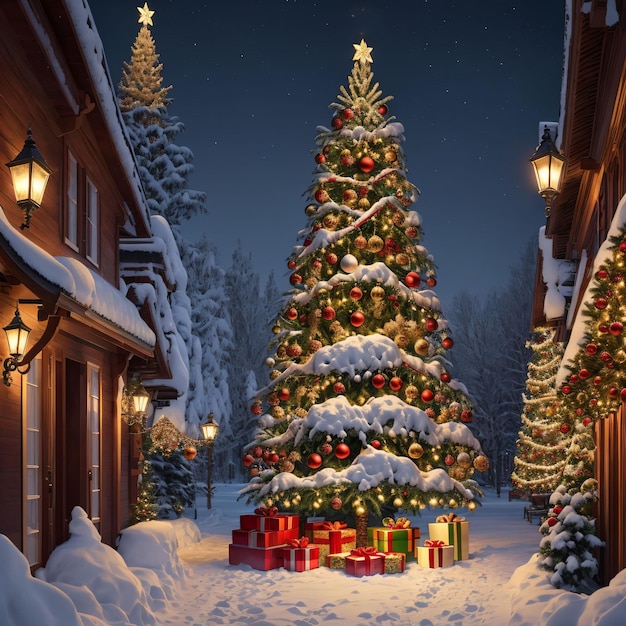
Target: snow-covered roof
{"points": [[77, 281]]}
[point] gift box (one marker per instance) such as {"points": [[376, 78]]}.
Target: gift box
{"points": [[260, 539], [394, 536], [453, 531], [300, 556], [434, 553], [269, 519], [365, 562], [395, 562], [333, 537], [258, 558], [337, 561]]}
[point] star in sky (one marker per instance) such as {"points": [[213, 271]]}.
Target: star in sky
{"points": [[362, 52], [145, 15]]}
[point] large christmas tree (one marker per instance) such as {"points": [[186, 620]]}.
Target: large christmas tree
{"points": [[543, 438], [362, 411]]}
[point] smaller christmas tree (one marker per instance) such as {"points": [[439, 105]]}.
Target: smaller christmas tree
{"points": [[569, 538], [543, 438]]}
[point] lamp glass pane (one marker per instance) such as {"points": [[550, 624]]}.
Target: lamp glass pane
{"points": [[20, 174], [39, 181]]}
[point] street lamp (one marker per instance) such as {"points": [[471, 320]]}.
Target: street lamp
{"points": [[209, 431], [548, 164], [30, 173], [17, 337]]}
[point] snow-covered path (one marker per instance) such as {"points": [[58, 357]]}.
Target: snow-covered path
{"points": [[469, 593]]}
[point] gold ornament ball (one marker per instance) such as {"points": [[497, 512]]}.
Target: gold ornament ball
{"points": [[411, 392], [391, 156], [398, 503], [360, 242], [398, 218], [402, 259], [421, 346], [375, 244], [464, 460], [415, 450], [377, 293], [481, 463], [190, 453], [364, 204], [330, 221]]}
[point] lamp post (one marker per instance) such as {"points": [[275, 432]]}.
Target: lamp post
{"points": [[17, 337], [549, 165], [209, 431], [30, 173]]}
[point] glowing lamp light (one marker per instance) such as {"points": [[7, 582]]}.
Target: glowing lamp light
{"points": [[29, 173], [17, 337], [140, 399], [210, 428], [549, 166]]}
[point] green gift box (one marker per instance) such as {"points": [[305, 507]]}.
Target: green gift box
{"points": [[386, 539], [455, 534]]}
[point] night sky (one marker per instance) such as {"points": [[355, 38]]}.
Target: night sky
{"points": [[252, 80]]}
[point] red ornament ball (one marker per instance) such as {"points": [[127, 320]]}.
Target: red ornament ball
{"points": [[395, 383], [603, 328], [431, 325], [342, 451], [336, 503], [292, 313], [557, 509], [622, 247], [328, 313], [366, 164], [552, 521], [427, 395], [376, 444], [357, 319], [412, 280], [583, 374], [321, 195], [565, 428], [320, 158], [445, 377], [467, 417], [356, 293], [378, 381], [622, 394], [257, 451], [248, 460], [256, 409], [347, 114], [601, 303], [383, 109], [295, 279], [586, 421], [449, 460], [331, 258], [573, 378], [314, 461], [616, 329], [291, 264], [339, 388], [283, 393], [614, 393], [190, 452], [606, 356], [602, 274], [566, 389], [447, 343], [597, 380], [431, 281], [591, 348], [337, 123]]}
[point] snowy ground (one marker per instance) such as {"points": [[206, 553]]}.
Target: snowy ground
{"points": [[177, 573]]}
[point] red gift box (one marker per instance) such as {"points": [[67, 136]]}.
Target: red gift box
{"points": [[365, 562], [258, 558], [332, 537], [299, 556], [260, 539], [269, 519]]}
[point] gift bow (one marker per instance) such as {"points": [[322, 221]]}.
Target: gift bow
{"points": [[369, 551], [447, 519], [434, 543], [401, 522], [334, 525], [271, 512], [303, 542]]}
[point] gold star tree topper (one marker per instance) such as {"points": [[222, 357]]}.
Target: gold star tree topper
{"points": [[145, 15], [362, 52]]}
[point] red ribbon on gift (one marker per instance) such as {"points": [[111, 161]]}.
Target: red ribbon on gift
{"points": [[271, 512], [434, 543], [303, 542], [334, 525], [368, 551]]}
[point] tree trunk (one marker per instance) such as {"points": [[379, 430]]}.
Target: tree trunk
{"points": [[361, 529]]}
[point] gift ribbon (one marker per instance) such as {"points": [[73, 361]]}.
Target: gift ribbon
{"points": [[386, 536], [434, 543], [367, 553], [303, 542], [400, 524], [449, 519], [271, 512], [438, 562], [334, 525], [305, 556]]}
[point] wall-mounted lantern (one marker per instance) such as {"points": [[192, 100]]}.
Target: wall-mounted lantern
{"points": [[17, 337], [549, 166], [30, 173]]}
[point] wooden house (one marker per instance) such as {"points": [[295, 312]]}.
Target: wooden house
{"points": [[63, 438], [592, 135]]}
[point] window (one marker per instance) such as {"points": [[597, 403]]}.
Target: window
{"points": [[91, 223], [82, 212], [93, 444], [33, 464], [71, 217]]}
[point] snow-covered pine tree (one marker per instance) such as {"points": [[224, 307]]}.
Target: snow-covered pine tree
{"points": [[362, 411], [543, 440], [569, 539]]}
